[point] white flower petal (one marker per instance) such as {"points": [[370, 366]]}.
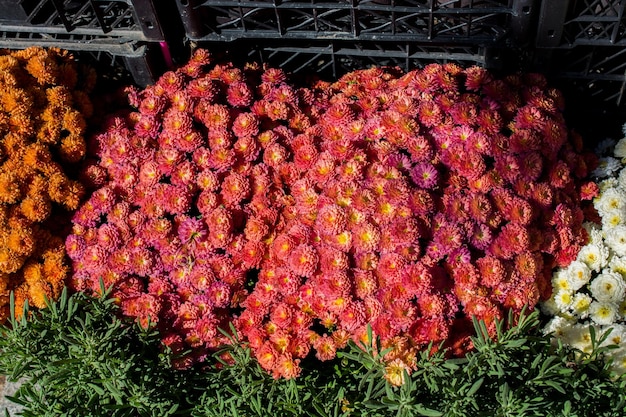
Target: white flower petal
{"points": [[620, 149], [616, 239], [608, 286], [603, 313], [607, 167], [596, 256], [578, 274]]}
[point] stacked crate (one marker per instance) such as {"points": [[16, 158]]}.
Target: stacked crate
{"points": [[124, 35], [580, 42], [584, 41], [332, 37]]}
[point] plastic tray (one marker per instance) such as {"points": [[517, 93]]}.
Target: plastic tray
{"points": [[128, 19]]}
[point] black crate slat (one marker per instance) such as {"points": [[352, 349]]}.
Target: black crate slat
{"points": [[587, 22], [222, 20], [135, 19]]}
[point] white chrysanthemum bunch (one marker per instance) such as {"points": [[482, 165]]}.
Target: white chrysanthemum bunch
{"points": [[591, 291]]}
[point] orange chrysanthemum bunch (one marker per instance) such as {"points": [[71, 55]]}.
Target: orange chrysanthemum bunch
{"points": [[42, 123]]}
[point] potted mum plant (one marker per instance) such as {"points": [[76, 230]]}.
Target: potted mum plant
{"points": [[44, 104], [363, 247]]}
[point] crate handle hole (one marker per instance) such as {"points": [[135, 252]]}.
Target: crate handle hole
{"points": [[149, 24], [526, 9], [551, 33]]}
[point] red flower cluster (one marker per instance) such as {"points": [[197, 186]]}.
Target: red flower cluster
{"points": [[408, 202]]}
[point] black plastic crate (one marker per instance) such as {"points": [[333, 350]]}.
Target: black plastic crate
{"points": [[597, 72], [116, 19], [131, 61], [332, 59], [126, 35], [476, 22], [582, 22], [583, 44]]}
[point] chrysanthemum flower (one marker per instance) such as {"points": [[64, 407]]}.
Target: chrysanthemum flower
{"points": [[520, 211], [147, 126], [282, 314], [177, 123], [303, 260], [96, 258], [267, 356], [603, 312], [277, 110], [108, 237], [222, 159], [425, 175], [177, 201], [171, 81], [239, 94], [10, 188], [251, 254], [167, 159], [365, 237], [402, 313], [216, 116], [390, 267], [182, 101], [608, 286], [595, 256], [204, 89], [610, 201], [151, 105], [247, 148], [141, 261], [287, 367], [235, 188], [476, 77], [529, 117], [528, 265], [339, 114], [351, 317], [365, 283], [219, 294], [191, 230], [325, 348], [75, 246], [331, 219], [282, 246]]}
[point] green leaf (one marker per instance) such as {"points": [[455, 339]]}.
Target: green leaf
{"points": [[319, 410], [516, 343], [475, 387], [554, 385], [427, 411], [96, 388], [16, 400], [116, 393], [12, 310], [567, 408]]}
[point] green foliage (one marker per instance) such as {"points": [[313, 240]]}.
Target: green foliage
{"points": [[244, 389], [517, 373], [80, 359]]}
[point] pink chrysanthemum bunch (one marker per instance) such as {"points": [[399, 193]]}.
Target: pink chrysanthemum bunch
{"points": [[408, 202], [418, 202]]}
